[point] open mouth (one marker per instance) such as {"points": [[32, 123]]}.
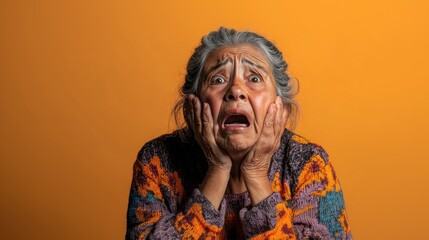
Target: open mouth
{"points": [[236, 120]]}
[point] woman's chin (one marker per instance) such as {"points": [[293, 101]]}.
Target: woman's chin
{"points": [[236, 146]]}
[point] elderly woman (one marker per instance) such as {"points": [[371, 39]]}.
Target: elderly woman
{"points": [[234, 171]]}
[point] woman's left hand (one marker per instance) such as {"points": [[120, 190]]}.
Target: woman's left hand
{"points": [[254, 167]]}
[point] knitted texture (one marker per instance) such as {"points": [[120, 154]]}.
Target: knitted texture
{"points": [[165, 203]]}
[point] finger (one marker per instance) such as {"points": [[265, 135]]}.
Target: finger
{"points": [[281, 120], [188, 112], [269, 120], [208, 134], [278, 129], [284, 111], [284, 116], [189, 104], [197, 114], [207, 127], [263, 146]]}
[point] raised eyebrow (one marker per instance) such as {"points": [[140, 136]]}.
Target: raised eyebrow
{"points": [[247, 61], [218, 65]]}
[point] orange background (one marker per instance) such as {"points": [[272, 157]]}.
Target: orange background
{"points": [[85, 83]]}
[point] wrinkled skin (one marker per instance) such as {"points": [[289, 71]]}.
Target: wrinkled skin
{"points": [[237, 80]]}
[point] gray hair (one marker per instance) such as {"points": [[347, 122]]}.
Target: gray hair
{"points": [[230, 37]]}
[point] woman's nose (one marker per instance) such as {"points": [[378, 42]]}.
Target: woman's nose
{"points": [[236, 92]]}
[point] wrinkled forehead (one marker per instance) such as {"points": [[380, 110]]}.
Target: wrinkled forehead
{"points": [[245, 53]]}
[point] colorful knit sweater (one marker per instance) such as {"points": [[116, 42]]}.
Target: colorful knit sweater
{"points": [[165, 202]]}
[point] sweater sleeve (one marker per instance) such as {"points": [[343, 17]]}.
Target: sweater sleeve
{"points": [[313, 209], [317, 201], [153, 210], [270, 219]]}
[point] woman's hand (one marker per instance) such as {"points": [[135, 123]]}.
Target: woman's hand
{"points": [[255, 166], [201, 122], [219, 163]]}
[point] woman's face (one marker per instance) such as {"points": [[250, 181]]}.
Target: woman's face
{"points": [[238, 84]]}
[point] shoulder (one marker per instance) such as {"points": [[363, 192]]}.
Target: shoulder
{"points": [[298, 148], [163, 146], [172, 156], [173, 151], [299, 151]]}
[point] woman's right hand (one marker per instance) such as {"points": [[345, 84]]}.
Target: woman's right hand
{"points": [[201, 122], [216, 179]]}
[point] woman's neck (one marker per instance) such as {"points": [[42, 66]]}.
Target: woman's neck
{"points": [[236, 183]]}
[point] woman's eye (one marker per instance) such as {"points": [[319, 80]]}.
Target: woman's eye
{"points": [[217, 80], [255, 79]]}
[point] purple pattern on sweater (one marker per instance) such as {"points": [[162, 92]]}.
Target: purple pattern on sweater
{"points": [[262, 217], [186, 159]]}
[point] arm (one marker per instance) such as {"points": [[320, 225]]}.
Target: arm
{"points": [[269, 217], [153, 210], [152, 199], [317, 202], [219, 163], [315, 211]]}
